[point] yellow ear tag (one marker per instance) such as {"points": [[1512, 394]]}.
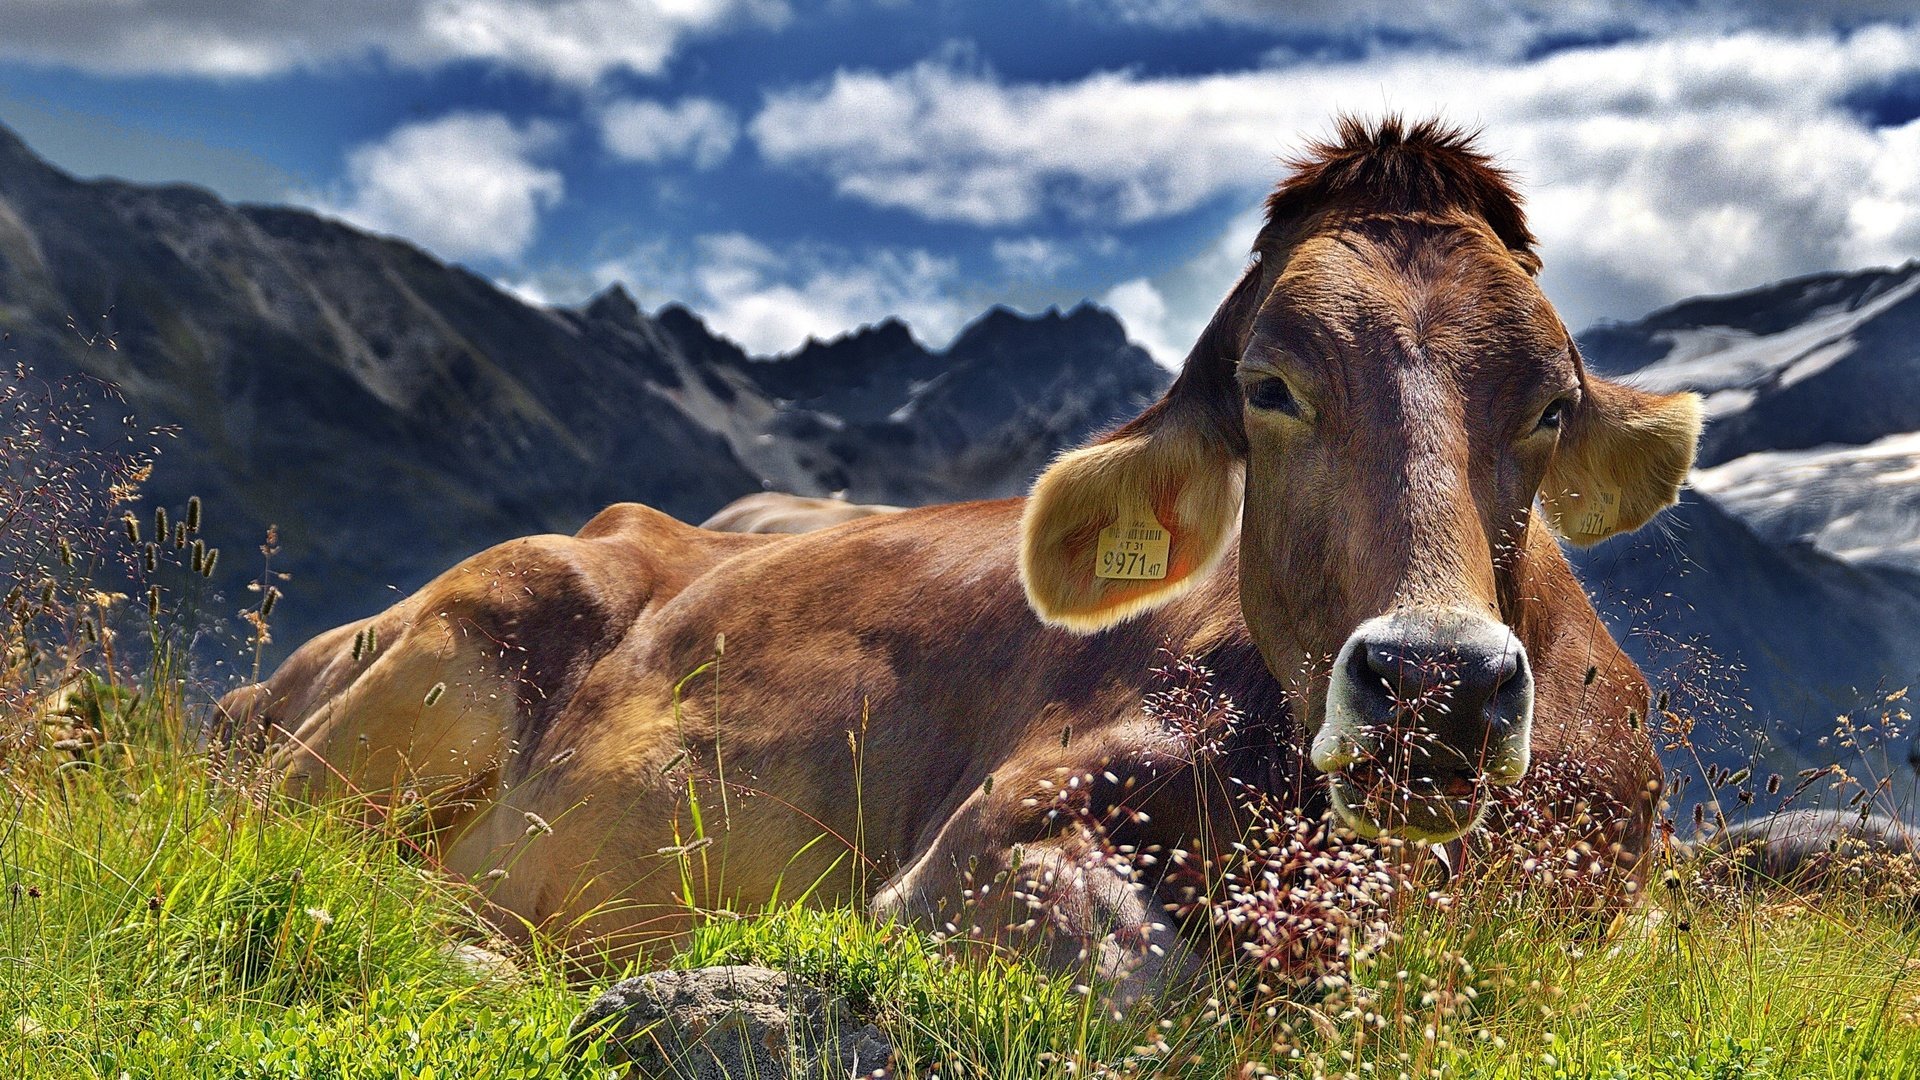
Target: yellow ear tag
{"points": [[1599, 512], [1133, 548]]}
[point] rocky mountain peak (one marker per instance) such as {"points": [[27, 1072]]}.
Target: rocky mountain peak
{"points": [[616, 305]]}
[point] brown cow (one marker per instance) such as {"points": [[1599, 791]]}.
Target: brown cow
{"points": [[778, 512], [1333, 508]]}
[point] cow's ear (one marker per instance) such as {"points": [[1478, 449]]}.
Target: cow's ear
{"points": [[1126, 524], [1621, 460]]}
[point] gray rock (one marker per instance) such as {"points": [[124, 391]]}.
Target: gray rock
{"points": [[1805, 845], [733, 1023]]}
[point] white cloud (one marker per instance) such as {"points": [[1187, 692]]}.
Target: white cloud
{"points": [[952, 146], [1165, 314], [574, 41], [1144, 311], [695, 129], [1655, 169], [464, 186], [771, 300], [1506, 26], [1032, 258]]}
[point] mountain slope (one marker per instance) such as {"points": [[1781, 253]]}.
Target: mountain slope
{"points": [[1763, 645], [1813, 401], [1802, 564], [393, 414]]}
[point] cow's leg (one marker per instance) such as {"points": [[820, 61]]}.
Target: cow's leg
{"points": [[1065, 896]]}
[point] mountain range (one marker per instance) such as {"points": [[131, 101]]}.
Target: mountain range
{"points": [[1789, 573], [392, 414]]}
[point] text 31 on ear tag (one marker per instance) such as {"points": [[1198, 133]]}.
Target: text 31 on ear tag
{"points": [[1134, 548], [1598, 513]]}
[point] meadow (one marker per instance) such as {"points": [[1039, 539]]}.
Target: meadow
{"points": [[166, 912]]}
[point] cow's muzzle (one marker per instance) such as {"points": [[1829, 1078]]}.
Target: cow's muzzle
{"points": [[1426, 709]]}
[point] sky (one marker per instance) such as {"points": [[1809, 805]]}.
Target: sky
{"points": [[796, 168]]}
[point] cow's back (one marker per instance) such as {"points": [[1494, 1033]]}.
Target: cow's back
{"points": [[779, 512]]}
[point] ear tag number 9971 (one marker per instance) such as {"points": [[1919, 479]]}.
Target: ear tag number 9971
{"points": [[1600, 513], [1133, 548]]}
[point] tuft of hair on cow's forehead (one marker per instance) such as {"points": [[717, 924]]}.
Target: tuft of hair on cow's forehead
{"points": [[1391, 166]]}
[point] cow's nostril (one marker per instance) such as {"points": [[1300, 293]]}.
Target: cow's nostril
{"points": [[1401, 673], [1454, 675], [1508, 668]]}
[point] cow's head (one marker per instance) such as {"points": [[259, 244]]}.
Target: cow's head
{"points": [[1379, 404]]}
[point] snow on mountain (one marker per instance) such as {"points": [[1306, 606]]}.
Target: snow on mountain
{"points": [[1813, 404]]}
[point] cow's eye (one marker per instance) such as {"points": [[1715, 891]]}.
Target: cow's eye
{"points": [[1273, 393], [1552, 416]]}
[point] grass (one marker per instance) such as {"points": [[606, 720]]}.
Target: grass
{"points": [[160, 918], [156, 921]]}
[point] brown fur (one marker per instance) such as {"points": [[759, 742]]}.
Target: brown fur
{"points": [[886, 685]]}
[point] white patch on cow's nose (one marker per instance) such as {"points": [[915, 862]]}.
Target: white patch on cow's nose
{"points": [[1334, 748], [1508, 764], [1342, 740]]}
